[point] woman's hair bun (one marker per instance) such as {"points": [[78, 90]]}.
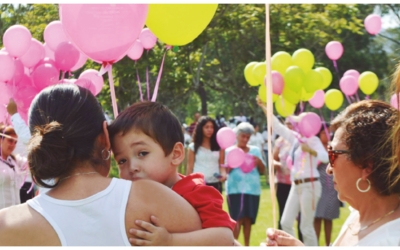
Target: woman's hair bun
{"points": [[48, 148]]}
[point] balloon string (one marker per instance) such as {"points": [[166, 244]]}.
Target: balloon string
{"points": [[358, 98], [30, 189], [352, 98], [348, 99], [301, 107], [112, 90], [367, 97], [148, 84], [336, 67], [155, 92], [139, 85], [324, 123]]}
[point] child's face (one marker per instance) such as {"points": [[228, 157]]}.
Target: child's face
{"points": [[139, 157]]}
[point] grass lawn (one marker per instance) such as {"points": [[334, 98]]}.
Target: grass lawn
{"points": [[264, 219]]}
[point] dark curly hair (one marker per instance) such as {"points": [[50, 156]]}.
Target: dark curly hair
{"points": [[368, 125], [198, 134]]}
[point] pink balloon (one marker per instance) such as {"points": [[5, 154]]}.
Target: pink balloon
{"points": [[45, 75], [373, 24], [318, 99], [19, 72], [226, 137], [81, 61], [235, 157], [54, 35], [136, 52], [4, 115], [93, 76], [34, 54], [249, 163], [278, 83], [48, 52], [86, 83], [66, 56], [334, 50], [147, 38], [349, 85], [104, 32], [17, 40], [6, 93], [23, 98], [25, 81], [352, 72], [46, 60], [68, 81], [393, 102], [310, 125], [7, 67]]}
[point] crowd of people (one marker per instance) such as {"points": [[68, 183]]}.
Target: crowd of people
{"points": [[67, 148]]}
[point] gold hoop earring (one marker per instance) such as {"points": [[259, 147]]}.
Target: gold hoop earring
{"points": [[366, 190], [108, 155]]}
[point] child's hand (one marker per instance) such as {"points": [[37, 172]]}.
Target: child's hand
{"points": [[154, 234]]}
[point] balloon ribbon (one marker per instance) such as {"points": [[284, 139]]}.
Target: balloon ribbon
{"points": [[112, 90], [155, 92], [139, 85]]}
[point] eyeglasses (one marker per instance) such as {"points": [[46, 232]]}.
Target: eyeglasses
{"points": [[333, 154]]}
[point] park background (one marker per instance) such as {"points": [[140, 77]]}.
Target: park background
{"points": [[206, 75]]}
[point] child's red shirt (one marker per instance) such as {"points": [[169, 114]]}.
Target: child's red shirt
{"points": [[205, 199]]}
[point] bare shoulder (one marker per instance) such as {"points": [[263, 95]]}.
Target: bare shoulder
{"points": [[23, 226], [151, 198]]}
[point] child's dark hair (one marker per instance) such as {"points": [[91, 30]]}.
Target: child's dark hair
{"points": [[198, 134], [153, 119]]}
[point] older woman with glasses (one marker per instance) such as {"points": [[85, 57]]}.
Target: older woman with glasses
{"points": [[360, 163]]}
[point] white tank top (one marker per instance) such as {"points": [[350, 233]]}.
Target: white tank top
{"points": [[98, 220]]}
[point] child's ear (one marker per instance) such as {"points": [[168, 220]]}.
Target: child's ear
{"points": [[178, 154]]}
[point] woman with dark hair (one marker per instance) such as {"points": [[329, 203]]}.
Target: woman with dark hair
{"points": [[70, 143], [364, 176], [328, 207], [205, 155], [10, 169]]}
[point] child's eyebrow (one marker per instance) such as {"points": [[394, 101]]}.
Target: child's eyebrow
{"points": [[138, 143]]}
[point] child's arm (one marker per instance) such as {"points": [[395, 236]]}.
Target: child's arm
{"points": [[156, 235]]}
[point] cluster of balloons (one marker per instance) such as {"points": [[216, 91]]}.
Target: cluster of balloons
{"points": [[104, 33], [293, 79], [28, 66], [235, 157]]}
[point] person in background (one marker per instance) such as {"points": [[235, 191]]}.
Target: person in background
{"points": [[265, 149], [281, 154], [256, 139], [205, 155], [187, 137], [329, 204], [23, 133], [107, 116], [244, 189], [242, 118], [10, 169], [193, 125]]}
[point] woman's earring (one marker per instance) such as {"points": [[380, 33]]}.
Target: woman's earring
{"points": [[366, 190], [108, 155]]}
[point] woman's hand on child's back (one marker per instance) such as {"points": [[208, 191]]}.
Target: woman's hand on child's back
{"points": [[153, 234]]}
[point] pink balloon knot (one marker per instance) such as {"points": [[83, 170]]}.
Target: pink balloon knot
{"points": [[169, 46]]}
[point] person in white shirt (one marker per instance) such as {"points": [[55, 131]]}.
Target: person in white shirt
{"points": [[205, 155], [256, 139], [365, 167], [10, 169], [242, 118], [23, 133], [306, 187]]}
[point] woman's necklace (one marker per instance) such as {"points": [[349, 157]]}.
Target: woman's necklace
{"points": [[375, 221], [78, 174]]}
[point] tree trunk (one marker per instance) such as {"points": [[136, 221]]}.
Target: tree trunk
{"points": [[203, 96]]}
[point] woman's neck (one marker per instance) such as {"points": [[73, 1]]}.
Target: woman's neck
{"points": [[375, 206], [206, 142]]}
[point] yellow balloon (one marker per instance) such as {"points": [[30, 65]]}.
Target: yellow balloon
{"points": [[259, 72], [179, 24], [262, 93], [304, 59], [368, 82], [294, 78], [305, 96], [281, 61], [248, 74], [290, 95], [283, 107], [333, 99], [313, 81], [327, 77]]}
